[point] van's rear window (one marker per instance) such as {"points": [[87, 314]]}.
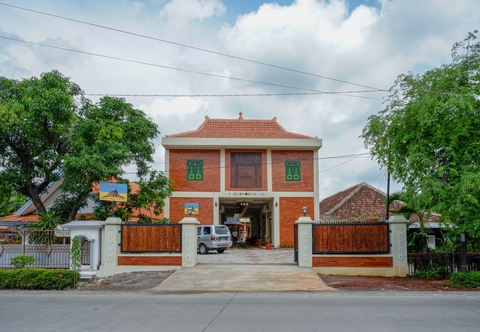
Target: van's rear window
{"points": [[221, 230]]}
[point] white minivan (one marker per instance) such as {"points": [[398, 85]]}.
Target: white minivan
{"points": [[213, 237]]}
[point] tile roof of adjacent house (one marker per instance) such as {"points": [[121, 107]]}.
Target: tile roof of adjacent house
{"points": [[361, 200], [239, 128]]}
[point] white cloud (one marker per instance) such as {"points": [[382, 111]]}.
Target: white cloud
{"points": [[179, 11], [366, 45]]}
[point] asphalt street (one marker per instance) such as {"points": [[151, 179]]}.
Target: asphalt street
{"points": [[293, 311]]}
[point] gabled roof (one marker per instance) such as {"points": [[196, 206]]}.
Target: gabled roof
{"points": [[239, 128], [361, 200]]}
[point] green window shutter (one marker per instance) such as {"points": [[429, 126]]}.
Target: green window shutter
{"points": [[194, 170], [292, 171]]}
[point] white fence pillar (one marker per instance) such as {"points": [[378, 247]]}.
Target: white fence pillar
{"points": [[89, 230], [110, 247], [189, 241], [304, 241], [398, 241]]}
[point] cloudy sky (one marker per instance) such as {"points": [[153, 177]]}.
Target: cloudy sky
{"points": [[180, 60]]}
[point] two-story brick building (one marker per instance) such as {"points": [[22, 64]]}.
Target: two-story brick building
{"points": [[253, 170]]}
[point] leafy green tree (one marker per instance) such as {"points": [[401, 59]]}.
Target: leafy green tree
{"points": [[428, 137], [9, 200], [51, 132], [415, 204]]}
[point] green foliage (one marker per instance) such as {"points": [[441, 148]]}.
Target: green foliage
{"points": [[45, 226], [9, 201], [76, 257], [43, 279], [22, 261], [416, 241], [266, 238], [50, 131], [470, 279], [430, 273], [428, 137]]}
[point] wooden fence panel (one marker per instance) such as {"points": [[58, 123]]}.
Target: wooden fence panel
{"points": [[151, 238], [351, 238]]}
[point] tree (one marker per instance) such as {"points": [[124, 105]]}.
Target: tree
{"points": [[9, 201], [428, 136], [51, 132]]}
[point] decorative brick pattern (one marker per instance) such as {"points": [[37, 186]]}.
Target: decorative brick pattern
{"points": [[290, 211], [279, 182], [359, 262], [150, 260]]}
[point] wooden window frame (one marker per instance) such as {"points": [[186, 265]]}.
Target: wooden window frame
{"points": [[191, 174], [291, 168]]}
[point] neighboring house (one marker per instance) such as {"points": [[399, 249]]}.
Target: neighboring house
{"points": [[28, 212], [363, 201], [360, 201], [252, 170]]}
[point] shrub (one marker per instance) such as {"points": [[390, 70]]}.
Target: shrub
{"points": [[43, 279], [430, 273], [22, 261], [470, 279]]}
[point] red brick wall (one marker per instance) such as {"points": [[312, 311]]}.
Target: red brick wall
{"points": [[205, 209], [306, 171], [290, 211], [211, 170], [150, 260], [228, 170], [331, 261]]}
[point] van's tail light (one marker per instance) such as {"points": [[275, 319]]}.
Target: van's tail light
{"points": [[212, 238]]}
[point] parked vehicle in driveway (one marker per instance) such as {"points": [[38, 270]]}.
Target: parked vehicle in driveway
{"points": [[213, 237]]}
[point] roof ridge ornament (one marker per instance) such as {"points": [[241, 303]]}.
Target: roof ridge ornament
{"points": [[241, 116]]}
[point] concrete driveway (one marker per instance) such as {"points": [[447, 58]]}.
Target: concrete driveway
{"points": [[244, 270]]}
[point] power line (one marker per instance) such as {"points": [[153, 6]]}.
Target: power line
{"points": [[233, 95], [355, 156], [191, 47], [173, 68]]}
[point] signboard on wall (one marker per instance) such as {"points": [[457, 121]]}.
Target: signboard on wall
{"points": [[113, 192], [194, 207]]}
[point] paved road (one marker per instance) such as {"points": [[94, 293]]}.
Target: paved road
{"points": [[327, 311]]}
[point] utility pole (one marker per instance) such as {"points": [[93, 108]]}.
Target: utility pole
{"points": [[387, 213]]}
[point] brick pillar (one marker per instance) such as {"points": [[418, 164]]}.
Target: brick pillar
{"points": [[398, 242], [189, 241], [304, 239]]}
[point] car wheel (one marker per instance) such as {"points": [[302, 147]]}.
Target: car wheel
{"points": [[203, 249], [220, 251]]}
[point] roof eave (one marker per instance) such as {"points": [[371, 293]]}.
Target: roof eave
{"points": [[216, 143]]}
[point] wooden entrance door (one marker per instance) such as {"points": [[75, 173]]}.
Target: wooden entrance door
{"points": [[246, 170]]}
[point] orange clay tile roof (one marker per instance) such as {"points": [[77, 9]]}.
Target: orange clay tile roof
{"points": [[360, 201], [239, 128]]}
